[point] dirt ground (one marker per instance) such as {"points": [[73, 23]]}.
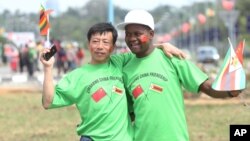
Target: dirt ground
{"points": [[16, 89]]}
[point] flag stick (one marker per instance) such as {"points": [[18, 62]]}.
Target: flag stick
{"points": [[47, 43]]}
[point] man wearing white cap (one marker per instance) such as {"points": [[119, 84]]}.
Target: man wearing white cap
{"points": [[154, 83]]}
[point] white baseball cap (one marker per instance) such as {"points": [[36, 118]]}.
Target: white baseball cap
{"points": [[137, 17]]}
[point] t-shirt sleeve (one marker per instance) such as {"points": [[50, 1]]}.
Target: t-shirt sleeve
{"points": [[189, 74], [63, 95], [121, 59]]}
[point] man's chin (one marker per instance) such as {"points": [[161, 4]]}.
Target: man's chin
{"points": [[135, 51]]}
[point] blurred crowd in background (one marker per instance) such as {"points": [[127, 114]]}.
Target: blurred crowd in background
{"points": [[25, 58]]}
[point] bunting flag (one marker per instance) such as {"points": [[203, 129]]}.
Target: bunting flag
{"points": [[44, 22], [202, 18], [210, 12], [192, 21], [186, 27], [228, 4], [231, 75]]}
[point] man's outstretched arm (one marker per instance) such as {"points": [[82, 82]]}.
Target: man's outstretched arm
{"points": [[206, 87], [48, 85]]}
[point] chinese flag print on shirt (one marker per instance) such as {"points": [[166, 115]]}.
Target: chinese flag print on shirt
{"points": [[137, 91], [99, 94]]}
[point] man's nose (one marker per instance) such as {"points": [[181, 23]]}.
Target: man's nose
{"points": [[100, 45], [132, 38]]}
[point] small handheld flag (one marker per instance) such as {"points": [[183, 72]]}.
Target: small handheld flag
{"points": [[43, 22], [239, 51], [231, 75]]}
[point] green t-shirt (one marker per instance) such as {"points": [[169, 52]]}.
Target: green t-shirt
{"points": [[99, 95], [155, 86]]}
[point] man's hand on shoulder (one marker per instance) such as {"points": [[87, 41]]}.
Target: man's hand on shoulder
{"points": [[171, 50]]}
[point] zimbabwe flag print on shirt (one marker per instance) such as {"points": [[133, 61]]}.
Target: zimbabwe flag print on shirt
{"points": [[99, 94], [117, 90], [156, 88]]}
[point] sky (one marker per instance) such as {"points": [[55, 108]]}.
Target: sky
{"points": [[27, 6]]}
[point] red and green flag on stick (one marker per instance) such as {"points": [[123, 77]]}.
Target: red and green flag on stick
{"points": [[239, 51], [231, 75]]}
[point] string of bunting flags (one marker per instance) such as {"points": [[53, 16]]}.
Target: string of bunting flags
{"points": [[185, 27]]}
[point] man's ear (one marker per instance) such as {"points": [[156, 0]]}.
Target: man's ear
{"points": [[112, 48], [88, 45], [151, 33]]}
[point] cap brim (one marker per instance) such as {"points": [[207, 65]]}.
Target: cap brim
{"points": [[122, 26]]}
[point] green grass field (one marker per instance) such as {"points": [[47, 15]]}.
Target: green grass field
{"points": [[22, 118]]}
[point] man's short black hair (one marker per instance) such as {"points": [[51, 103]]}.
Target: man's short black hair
{"points": [[102, 28]]}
